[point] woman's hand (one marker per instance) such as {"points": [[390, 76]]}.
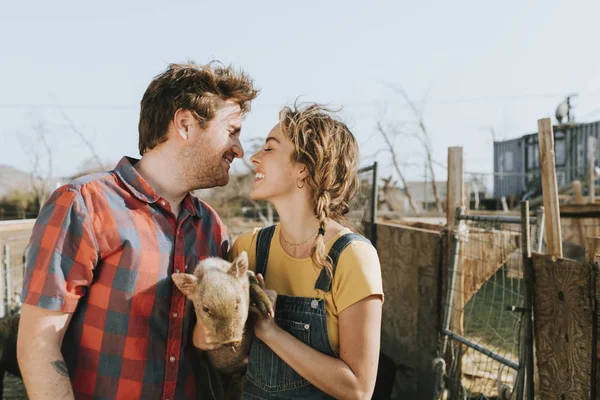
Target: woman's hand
{"points": [[264, 327]]}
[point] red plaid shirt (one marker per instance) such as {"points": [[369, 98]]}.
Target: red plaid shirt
{"points": [[104, 248]]}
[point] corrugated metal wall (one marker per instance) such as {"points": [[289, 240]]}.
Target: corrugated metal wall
{"points": [[522, 154], [578, 154], [508, 168]]}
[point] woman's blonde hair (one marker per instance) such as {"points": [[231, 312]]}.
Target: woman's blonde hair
{"points": [[330, 153]]}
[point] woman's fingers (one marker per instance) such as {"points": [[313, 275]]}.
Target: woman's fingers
{"points": [[261, 281], [272, 295], [255, 310]]}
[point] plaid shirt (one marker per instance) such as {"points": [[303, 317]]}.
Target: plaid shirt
{"points": [[103, 248]]}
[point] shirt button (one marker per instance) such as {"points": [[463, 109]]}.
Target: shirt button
{"points": [[177, 270], [172, 358], [306, 326], [175, 314]]}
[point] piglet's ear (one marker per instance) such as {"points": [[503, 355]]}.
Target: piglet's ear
{"points": [[239, 266], [188, 284]]}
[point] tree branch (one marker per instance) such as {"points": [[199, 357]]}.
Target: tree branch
{"points": [[82, 137], [425, 141], [397, 167]]}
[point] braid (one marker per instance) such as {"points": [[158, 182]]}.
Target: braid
{"points": [[330, 153], [318, 255]]}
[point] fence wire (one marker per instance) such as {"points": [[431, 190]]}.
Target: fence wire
{"points": [[13, 246], [492, 287], [361, 212]]}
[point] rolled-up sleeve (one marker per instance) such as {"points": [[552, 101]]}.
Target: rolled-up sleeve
{"points": [[62, 253]]}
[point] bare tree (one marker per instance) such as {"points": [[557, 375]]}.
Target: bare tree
{"points": [[84, 139], [87, 167], [423, 137], [388, 195], [38, 151], [390, 148]]}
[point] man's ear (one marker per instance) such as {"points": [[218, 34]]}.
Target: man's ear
{"points": [[183, 120]]}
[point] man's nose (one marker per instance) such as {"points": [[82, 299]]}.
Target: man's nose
{"points": [[238, 149]]}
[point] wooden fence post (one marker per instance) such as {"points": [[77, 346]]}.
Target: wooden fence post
{"points": [[454, 193], [592, 168], [550, 188], [592, 255], [525, 384], [576, 184], [7, 279], [564, 326], [454, 201], [540, 226], [3, 288]]}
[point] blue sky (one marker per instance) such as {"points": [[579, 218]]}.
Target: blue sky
{"points": [[472, 65]]}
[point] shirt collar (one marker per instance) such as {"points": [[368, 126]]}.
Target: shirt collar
{"points": [[143, 191]]}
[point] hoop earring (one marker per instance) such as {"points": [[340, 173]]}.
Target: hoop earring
{"points": [[297, 185]]}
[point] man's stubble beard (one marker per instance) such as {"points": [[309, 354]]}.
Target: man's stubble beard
{"points": [[201, 173]]}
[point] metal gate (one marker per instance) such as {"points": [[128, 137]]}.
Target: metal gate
{"points": [[486, 328]]}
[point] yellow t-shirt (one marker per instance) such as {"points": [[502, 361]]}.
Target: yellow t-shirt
{"points": [[357, 275]]}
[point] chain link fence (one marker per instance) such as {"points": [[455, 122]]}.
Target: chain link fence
{"points": [[487, 303], [14, 237]]}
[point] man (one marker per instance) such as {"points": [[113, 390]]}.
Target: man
{"points": [[101, 316]]}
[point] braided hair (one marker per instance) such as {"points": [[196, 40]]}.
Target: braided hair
{"points": [[330, 152]]}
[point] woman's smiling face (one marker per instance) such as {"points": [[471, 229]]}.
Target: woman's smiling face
{"points": [[276, 174]]}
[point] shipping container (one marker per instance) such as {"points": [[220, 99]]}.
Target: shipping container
{"points": [[517, 161], [509, 178]]}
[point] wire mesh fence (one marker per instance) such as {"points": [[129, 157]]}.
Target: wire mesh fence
{"points": [[490, 281], [14, 238], [363, 207]]}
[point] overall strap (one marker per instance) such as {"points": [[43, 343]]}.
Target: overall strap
{"points": [[324, 280], [263, 244]]}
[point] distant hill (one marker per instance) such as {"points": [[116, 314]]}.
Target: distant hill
{"points": [[12, 178]]}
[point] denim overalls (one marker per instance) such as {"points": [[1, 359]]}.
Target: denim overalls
{"points": [[268, 376]]}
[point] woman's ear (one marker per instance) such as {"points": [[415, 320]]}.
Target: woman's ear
{"points": [[303, 171]]}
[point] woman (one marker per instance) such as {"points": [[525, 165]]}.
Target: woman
{"points": [[324, 340]]}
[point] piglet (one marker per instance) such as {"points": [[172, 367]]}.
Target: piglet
{"points": [[222, 293]]}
